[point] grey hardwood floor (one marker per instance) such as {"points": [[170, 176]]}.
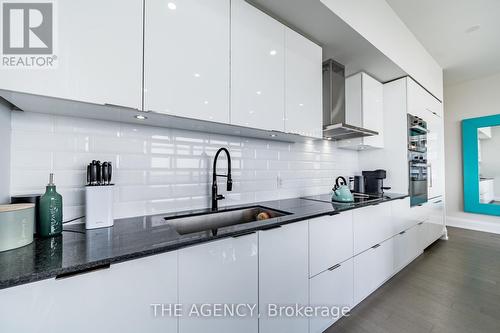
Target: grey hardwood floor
{"points": [[454, 286]]}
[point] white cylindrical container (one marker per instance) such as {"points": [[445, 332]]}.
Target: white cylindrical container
{"points": [[99, 206], [16, 225]]}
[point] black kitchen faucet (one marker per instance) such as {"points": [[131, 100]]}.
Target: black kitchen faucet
{"points": [[216, 197]]}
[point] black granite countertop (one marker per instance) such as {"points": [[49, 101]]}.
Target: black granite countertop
{"points": [[78, 250]]}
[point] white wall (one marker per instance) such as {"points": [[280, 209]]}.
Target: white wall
{"points": [[4, 153], [163, 170], [470, 99], [490, 164], [379, 24]]}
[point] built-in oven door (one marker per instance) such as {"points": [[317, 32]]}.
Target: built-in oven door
{"points": [[418, 183]]}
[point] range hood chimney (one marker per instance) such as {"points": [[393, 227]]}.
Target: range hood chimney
{"points": [[334, 110]]}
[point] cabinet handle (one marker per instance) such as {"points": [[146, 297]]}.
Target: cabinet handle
{"points": [[420, 223], [375, 246], [121, 107], [334, 267], [271, 228], [244, 234], [83, 271], [439, 201], [402, 232], [430, 174]]}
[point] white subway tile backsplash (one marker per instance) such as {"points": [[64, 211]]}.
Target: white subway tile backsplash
{"points": [[165, 170]]}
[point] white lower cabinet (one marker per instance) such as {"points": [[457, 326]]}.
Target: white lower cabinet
{"points": [[406, 247], [371, 225], [117, 299], [220, 272], [334, 289], [283, 277], [402, 218], [372, 268], [330, 241], [434, 222]]}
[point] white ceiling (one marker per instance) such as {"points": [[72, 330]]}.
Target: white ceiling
{"points": [[441, 26], [338, 39]]}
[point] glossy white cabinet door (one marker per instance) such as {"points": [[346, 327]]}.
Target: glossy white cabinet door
{"points": [[401, 215], [332, 288], [99, 55], [372, 268], [371, 225], [186, 58], [220, 272], [118, 299], [435, 221], [257, 68], [330, 241], [435, 155], [304, 82], [406, 247], [283, 276], [364, 108], [373, 110]]}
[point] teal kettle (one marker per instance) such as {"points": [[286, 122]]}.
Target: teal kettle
{"points": [[341, 192]]}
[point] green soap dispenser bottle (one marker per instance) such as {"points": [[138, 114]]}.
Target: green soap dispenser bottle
{"points": [[50, 211]]}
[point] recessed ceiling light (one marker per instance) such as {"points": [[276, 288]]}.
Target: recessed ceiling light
{"points": [[273, 135], [196, 75], [140, 117], [472, 29], [172, 6], [273, 52]]}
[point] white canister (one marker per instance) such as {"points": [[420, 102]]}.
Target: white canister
{"points": [[16, 225], [99, 206]]}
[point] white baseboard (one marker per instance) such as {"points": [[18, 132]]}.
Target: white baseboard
{"points": [[473, 224]]}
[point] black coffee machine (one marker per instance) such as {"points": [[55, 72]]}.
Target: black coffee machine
{"points": [[374, 182]]}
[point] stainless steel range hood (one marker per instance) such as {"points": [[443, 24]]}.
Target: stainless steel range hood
{"points": [[334, 110]]}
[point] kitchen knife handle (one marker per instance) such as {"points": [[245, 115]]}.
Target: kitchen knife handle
{"points": [[99, 173], [105, 173], [93, 173], [89, 167], [110, 172]]}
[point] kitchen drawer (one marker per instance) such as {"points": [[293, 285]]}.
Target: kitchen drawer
{"points": [[372, 268], [283, 275], [407, 247], [332, 288], [371, 225], [401, 215], [330, 241], [419, 213], [117, 299], [435, 220], [219, 272]]}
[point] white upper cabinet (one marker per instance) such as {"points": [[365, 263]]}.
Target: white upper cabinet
{"points": [[303, 86], [420, 102], [98, 45], [186, 58], [364, 108], [257, 68]]}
